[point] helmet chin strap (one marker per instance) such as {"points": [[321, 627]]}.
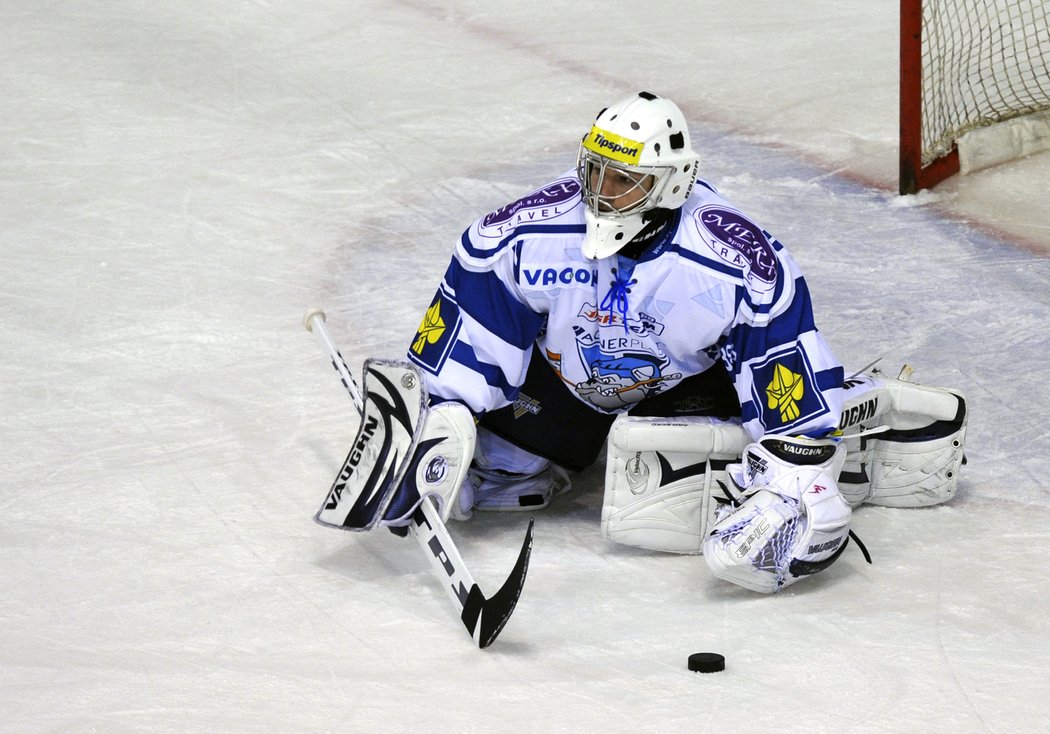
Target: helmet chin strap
{"points": [[655, 221]]}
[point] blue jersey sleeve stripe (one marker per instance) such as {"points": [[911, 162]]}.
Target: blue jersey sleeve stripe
{"points": [[526, 229], [480, 253], [486, 253], [493, 375], [831, 379], [778, 290], [486, 299], [707, 262], [749, 411], [798, 319]]}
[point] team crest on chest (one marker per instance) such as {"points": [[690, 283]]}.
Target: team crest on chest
{"points": [[621, 367]]}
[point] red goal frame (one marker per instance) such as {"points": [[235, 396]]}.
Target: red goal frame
{"points": [[913, 176]]}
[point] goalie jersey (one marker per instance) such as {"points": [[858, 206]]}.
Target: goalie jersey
{"points": [[713, 287]]}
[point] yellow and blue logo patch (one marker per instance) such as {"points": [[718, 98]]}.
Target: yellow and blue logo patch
{"points": [[431, 329], [785, 387], [436, 333], [784, 392]]}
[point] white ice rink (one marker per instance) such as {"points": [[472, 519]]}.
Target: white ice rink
{"points": [[180, 181]]}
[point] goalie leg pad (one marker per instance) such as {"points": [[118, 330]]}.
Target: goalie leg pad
{"points": [[904, 443], [662, 479]]}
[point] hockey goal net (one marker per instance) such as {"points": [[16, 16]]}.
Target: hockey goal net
{"points": [[967, 65]]}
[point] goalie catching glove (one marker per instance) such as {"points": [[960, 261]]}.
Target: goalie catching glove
{"points": [[791, 520]]}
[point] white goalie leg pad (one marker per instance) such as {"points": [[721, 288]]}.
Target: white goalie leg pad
{"points": [[662, 479], [794, 524], [904, 442], [439, 465], [507, 478]]}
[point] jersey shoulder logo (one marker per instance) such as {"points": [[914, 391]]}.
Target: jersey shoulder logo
{"points": [[784, 391], [431, 329], [553, 200], [783, 383], [737, 240], [436, 333]]}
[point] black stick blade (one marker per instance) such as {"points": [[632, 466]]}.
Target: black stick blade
{"points": [[485, 618]]}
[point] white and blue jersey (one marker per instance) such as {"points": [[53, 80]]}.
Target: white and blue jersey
{"points": [[713, 287]]}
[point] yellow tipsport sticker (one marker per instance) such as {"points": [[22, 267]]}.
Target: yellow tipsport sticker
{"points": [[613, 146], [784, 391], [430, 329]]}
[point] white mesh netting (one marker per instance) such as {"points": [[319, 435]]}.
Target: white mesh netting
{"points": [[984, 61]]}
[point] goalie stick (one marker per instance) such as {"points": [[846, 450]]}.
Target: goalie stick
{"points": [[484, 617]]}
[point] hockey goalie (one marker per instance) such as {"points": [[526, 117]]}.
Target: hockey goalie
{"points": [[627, 305]]}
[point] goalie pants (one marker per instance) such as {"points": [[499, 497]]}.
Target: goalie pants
{"points": [[549, 421]]}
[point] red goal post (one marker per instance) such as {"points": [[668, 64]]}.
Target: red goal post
{"points": [[966, 66]]}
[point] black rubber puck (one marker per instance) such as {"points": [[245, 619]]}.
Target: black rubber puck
{"points": [[706, 662]]}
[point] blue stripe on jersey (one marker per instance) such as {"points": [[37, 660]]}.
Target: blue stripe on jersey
{"points": [[831, 379], [549, 229], [748, 411], [477, 253], [486, 299], [707, 262], [750, 342], [797, 319], [525, 229], [493, 375], [778, 291]]}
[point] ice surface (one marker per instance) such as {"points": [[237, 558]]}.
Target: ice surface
{"points": [[180, 181]]}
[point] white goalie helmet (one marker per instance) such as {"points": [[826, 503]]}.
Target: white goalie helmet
{"points": [[636, 157]]}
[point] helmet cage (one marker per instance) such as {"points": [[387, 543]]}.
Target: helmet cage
{"points": [[594, 169]]}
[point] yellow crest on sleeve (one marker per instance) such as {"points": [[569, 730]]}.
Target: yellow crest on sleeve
{"points": [[430, 328], [784, 392]]}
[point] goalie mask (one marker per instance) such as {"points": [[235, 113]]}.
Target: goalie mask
{"points": [[636, 158]]}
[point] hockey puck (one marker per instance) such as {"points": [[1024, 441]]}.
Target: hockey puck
{"points": [[706, 662]]}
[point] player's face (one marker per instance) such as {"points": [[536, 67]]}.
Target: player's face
{"points": [[617, 189]]}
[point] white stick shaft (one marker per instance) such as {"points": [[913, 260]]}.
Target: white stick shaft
{"points": [[445, 560], [315, 323]]}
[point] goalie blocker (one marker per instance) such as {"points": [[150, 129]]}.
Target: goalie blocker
{"points": [[404, 452], [667, 477]]}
